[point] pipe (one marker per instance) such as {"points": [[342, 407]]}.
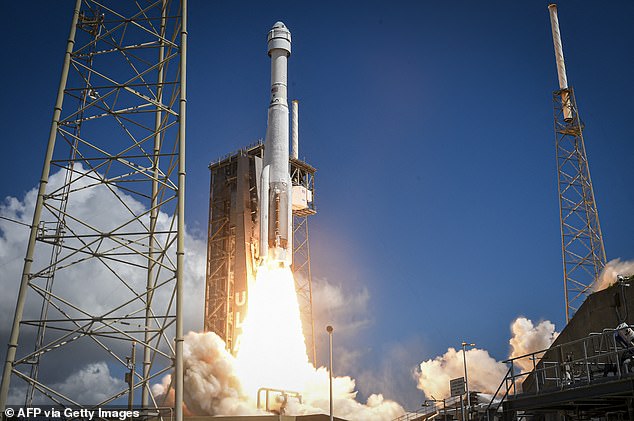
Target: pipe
{"points": [[180, 236], [264, 214], [295, 131], [154, 213], [559, 52], [329, 329], [28, 260], [132, 373], [559, 58], [466, 380]]}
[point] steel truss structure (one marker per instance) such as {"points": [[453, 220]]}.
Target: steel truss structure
{"points": [[581, 239], [303, 175], [103, 272], [233, 235], [230, 187]]}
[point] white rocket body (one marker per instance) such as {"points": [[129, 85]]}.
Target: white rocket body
{"points": [[276, 242]]}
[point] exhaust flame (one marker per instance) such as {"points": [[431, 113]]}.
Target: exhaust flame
{"points": [[271, 354], [272, 349]]}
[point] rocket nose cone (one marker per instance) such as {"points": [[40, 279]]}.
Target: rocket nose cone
{"points": [[279, 37]]}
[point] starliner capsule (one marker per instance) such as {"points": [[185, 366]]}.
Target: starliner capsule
{"points": [[275, 182]]}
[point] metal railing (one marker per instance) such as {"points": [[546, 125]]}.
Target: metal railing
{"points": [[421, 413], [494, 404], [599, 357], [448, 407]]}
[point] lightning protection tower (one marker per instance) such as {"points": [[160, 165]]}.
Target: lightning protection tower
{"points": [[581, 239], [102, 280]]}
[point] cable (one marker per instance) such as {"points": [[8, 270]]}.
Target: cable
{"points": [[13, 220]]}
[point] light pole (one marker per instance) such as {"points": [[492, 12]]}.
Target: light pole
{"points": [[466, 378], [329, 329]]}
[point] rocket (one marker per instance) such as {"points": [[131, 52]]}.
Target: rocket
{"points": [[276, 244]]}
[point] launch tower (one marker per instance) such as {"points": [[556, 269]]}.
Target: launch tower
{"points": [[232, 244], [581, 239]]}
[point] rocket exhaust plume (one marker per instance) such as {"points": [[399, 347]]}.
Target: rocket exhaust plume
{"points": [[275, 202], [272, 350]]}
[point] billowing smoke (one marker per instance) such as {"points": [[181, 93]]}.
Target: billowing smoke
{"points": [[211, 387], [210, 383], [485, 372], [528, 338], [611, 270]]}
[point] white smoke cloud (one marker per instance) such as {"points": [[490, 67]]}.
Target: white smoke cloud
{"points": [[528, 338], [611, 270], [345, 405], [211, 387], [210, 384], [485, 372], [205, 357]]}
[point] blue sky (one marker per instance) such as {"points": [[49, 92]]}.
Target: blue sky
{"points": [[430, 124]]}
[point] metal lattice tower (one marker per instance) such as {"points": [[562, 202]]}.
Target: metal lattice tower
{"points": [[581, 239], [99, 284], [230, 188], [303, 175]]}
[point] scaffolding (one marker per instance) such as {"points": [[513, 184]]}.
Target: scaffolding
{"points": [[233, 239], [581, 239], [303, 175], [103, 270], [232, 236]]}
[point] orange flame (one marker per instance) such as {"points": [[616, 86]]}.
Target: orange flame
{"points": [[272, 349]]}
